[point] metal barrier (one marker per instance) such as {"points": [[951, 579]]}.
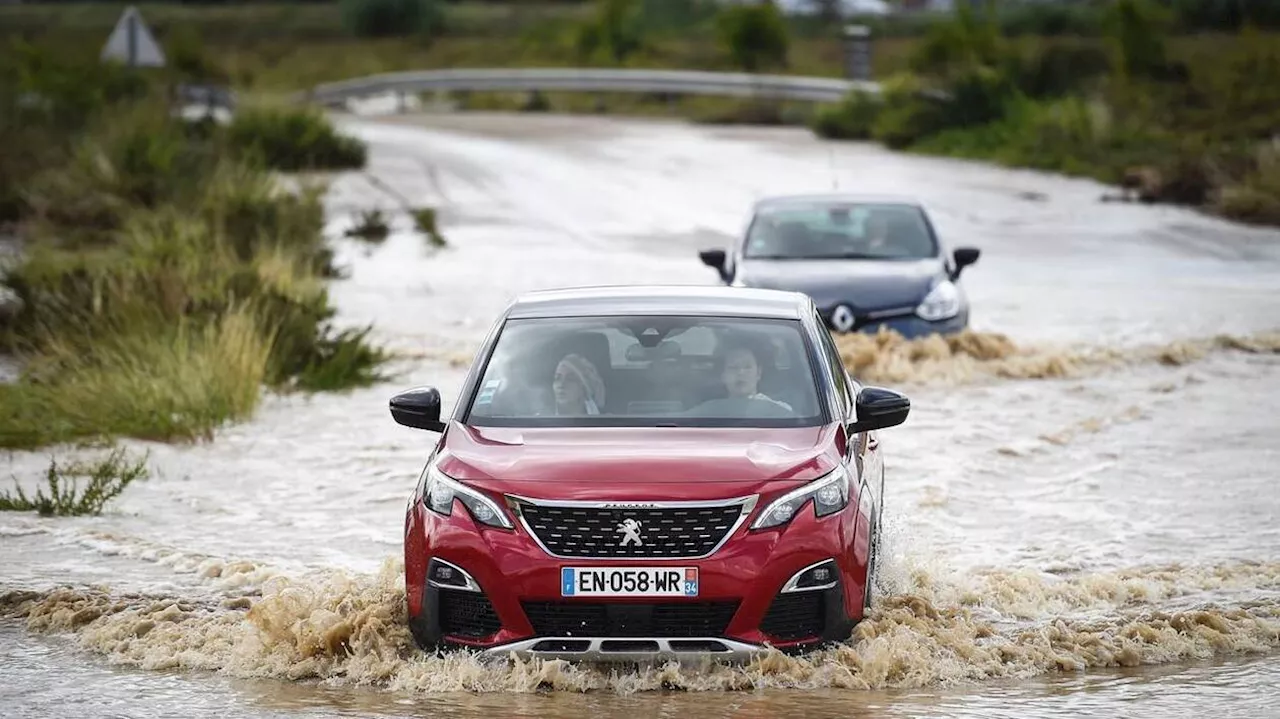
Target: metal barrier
{"points": [[674, 82]]}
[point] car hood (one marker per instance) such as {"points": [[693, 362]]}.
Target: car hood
{"points": [[867, 285], [678, 463]]}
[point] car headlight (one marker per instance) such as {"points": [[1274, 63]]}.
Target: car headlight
{"points": [[830, 494], [440, 491], [942, 302]]}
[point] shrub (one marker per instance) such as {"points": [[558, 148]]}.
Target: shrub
{"points": [[852, 119], [755, 36], [909, 112], [388, 18], [424, 219], [614, 33], [1256, 198], [370, 225], [294, 140], [107, 478], [1136, 31], [1061, 68], [134, 157]]}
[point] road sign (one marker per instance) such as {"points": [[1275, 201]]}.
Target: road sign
{"points": [[132, 43]]}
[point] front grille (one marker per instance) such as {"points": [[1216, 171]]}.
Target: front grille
{"points": [[467, 614], [676, 619], [795, 616], [664, 532]]}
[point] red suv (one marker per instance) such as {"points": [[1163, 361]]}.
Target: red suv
{"points": [[636, 473]]}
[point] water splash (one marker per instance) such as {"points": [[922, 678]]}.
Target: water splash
{"points": [[350, 629]]}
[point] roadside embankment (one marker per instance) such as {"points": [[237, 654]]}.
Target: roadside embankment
{"points": [[165, 275]]}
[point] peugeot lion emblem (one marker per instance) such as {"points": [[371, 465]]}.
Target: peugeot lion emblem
{"points": [[630, 529]]}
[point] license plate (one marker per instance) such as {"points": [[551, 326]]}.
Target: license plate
{"points": [[629, 582]]}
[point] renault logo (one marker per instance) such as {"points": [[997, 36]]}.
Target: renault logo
{"points": [[842, 318], [630, 529]]}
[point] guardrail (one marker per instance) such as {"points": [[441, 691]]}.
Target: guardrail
{"points": [[675, 82]]}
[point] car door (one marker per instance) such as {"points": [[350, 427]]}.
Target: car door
{"points": [[860, 455]]}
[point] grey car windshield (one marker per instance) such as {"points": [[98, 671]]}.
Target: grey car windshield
{"points": [[648, 371], [830, 230]]}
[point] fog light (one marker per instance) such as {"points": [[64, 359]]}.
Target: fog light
{"points": [[445, 575], [818, 576]]}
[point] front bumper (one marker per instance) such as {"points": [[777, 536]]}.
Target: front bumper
{"points": [[511, 601], [908, 325]]}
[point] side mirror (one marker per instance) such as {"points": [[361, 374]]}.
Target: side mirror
{"points": [[418, 408], [879, 408], [714, 259], [965, 256]]}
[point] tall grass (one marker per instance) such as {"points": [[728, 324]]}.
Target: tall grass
{"points": [[168, 276], [294, 140]]}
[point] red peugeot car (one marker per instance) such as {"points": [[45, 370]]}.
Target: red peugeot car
{"points": [[636, 473]]}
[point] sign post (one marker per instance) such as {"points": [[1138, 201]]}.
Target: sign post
{"points": [[857, 52], [132, 43]]}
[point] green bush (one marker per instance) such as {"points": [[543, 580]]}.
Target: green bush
{"points": [[615, 32], [1136, 30], [130, 158], [754, 36], [853, 118], [1061, 68], [107, 478], [293, 140], [390, 18], [1256, 198]]}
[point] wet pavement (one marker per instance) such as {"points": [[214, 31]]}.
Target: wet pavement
{"points": [[1104, 544]]}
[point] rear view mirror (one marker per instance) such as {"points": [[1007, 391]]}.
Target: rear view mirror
{"points": [[965, 256], [878, 408], [418, 408]]}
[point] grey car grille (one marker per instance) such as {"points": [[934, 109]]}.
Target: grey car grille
{"points": [[665, 532]]}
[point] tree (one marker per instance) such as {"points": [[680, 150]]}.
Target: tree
{"points": [[615, 32], [754, 35]]}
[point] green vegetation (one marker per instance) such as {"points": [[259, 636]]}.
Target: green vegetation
{"points": [[755, 36], [389, 18], [1191, 124], [293, 140], [167, 275], [424, 219], [1170, 97], [106, 479], [370, 225]]}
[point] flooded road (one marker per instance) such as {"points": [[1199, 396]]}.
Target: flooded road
{"points": [[1101, 539]]}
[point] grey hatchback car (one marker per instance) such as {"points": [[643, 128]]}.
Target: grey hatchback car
{"points": [[866, 261]]}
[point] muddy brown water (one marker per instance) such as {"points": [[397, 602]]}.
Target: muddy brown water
{"points": [[1098, 541]]}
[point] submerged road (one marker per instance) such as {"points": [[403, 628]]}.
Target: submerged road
{"points": [[1102, 545]]}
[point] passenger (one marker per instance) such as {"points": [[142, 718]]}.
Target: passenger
{"points": [[577, 386], [741, 376]]}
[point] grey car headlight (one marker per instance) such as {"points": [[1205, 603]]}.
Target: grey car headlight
{"points": [[830, 494], [942, 302], [440, 491]]}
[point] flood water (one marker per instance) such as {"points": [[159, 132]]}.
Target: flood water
{"points": [[1104, 543]]}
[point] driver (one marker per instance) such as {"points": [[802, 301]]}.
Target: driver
{"points": [[741, 375]]}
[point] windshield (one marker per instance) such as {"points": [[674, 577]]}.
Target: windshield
{"points": [[646, 372], [831, 230]]}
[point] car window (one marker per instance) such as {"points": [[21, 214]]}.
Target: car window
{"points": [[646, 371], [818, 230], [837, 368]]}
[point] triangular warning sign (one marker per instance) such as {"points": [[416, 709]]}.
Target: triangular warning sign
{"points": [[132, 43]]}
